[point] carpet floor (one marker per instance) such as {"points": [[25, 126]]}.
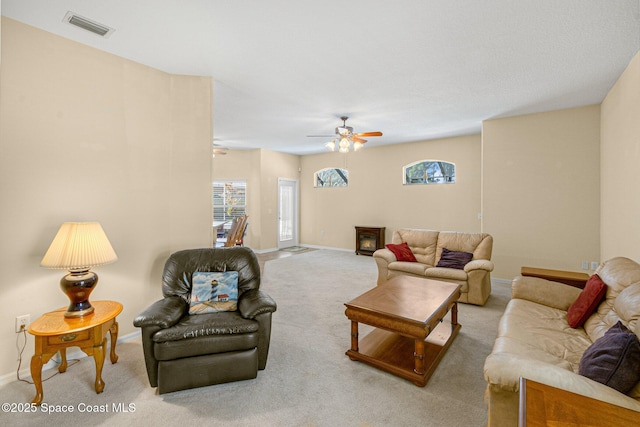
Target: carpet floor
{"points": [[308, 380]]}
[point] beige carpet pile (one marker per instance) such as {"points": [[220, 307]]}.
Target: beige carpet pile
{"points": [[308, 380]]}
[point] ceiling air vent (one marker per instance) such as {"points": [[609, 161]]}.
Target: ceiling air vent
{"points": [[87, 24]]}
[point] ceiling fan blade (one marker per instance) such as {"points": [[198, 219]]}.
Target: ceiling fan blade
{"points": [[369, 134], [358, 139]]}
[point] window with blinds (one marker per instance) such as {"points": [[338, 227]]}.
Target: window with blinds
{"points": [[229, 199]]}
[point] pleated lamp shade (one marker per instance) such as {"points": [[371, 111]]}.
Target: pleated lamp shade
{"points": [[77, 247]]}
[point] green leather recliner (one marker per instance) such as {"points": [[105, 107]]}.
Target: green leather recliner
{"points": [[186, 351]]}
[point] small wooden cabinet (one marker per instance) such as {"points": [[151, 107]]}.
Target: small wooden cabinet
{"points": [[369, 240]]}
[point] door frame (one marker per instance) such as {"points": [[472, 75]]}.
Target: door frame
{"points": [[296, 238]]}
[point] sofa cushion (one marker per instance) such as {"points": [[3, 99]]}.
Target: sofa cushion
{"points": [[618, 273], [422, 243], [454, 259], [415, 268], [587, 301], [402, 252], [539, 332], [627, 307], [614, 359], [170, 350], [220, 323], [480, 244], [446, 274]]}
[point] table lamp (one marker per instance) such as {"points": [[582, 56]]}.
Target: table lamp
{"points": [[77, 247]]}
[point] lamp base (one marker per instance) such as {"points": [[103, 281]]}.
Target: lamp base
{"points": [[77, 285]]}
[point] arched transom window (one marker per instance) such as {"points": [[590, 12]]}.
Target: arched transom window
{"points": [[429, 172], [331, 177]]}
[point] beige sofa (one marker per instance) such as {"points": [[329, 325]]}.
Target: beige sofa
{"points": [[536, 342], [427, 246]]}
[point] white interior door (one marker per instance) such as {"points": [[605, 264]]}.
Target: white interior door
{"points": [[287, 213]]}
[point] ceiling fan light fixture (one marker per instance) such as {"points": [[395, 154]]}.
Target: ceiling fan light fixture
{"points": [[345, 139], [331, 145], [344, 145], [344, 130]]}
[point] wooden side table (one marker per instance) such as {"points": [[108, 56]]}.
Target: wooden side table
{"points": [[571, 278], [54, 332], [543, 405]]}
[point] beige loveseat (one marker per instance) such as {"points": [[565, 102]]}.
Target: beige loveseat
{"points": [[427, 247], [536, 342]]}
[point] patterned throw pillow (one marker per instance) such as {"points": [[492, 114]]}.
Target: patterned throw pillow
{"points": [[213, 291]]}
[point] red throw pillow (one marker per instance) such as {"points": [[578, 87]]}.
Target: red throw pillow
{"points": [[587, 301], [402, 252]]}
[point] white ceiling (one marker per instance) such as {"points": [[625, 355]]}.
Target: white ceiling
{"points": [[413, 69]]}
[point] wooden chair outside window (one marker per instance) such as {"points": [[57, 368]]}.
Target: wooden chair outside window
{"points": [[235, 237]]}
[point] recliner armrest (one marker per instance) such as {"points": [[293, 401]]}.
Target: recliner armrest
{"points": [[479, 264], [255, 302], [163, 313]]}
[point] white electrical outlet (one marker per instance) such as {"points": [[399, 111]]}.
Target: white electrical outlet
{"points": [[594, 265], [585, 265], [22, 322]]}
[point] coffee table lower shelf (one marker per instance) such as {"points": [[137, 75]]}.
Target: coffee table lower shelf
{"points": [[396, 353]]}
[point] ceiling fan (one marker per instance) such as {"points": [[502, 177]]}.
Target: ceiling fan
{"points": [[345, 137]]}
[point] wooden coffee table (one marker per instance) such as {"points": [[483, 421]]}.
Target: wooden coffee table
{"points": [[410, 336]]}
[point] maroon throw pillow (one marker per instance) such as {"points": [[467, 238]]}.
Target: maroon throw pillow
{"points": [[587, 301], [402, 252], [613, 359], [453, 259]]}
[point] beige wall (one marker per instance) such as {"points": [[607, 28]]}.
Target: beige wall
{"points": [[85, 135], [541, 189], [261, 169], [620, 178], [139, 162], [376, 195]]}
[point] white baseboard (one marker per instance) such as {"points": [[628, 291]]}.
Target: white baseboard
{"points": [[74, 354], [264, 251], [328, 248]]}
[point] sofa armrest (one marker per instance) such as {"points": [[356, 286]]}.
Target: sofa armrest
{"points": [[385, 254], [545, 292], [163, 313], [383, 257], [502, 371], [255, 302], [479, 264]]}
